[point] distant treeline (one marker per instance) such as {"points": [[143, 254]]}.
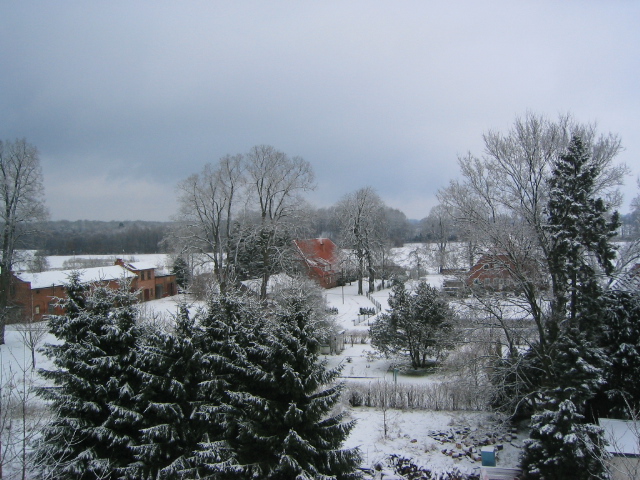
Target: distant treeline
{"points": [[64, 237]]}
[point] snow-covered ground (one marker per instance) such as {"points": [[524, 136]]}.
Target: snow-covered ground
{"points": [[408, 433]]}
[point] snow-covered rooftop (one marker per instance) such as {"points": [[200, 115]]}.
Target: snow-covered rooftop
{"points": [[140, 265], [87, 275], [623, 436]]}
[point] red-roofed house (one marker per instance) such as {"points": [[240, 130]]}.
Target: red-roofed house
{"points": [[152, 282], [493, 272], [322, 259]]}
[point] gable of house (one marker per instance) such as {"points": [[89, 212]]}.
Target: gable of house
{"points": [[321, 258], [494, 271]]}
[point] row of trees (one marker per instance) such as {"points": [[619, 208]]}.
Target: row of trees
{"points": [[235, 392], [244, 204], [64, 237], [242, 214]]}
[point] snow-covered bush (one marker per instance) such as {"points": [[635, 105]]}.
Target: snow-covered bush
{"points": [[562, 446]]}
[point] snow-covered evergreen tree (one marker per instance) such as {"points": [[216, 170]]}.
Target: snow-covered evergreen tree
{"points": [[94, 422], [277, 412], [578, 370], [562, 446], [580, 236], [621, 342], [419, 323], [171, 369]]}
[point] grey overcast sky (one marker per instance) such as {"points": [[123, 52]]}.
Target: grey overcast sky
{"points": [[125, 98]]}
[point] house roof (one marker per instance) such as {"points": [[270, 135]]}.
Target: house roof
{"points": [[319, 252], [138, 265], [87, 275]]}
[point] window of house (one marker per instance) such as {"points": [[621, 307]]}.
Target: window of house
{"points": [[51, 307], [36, 310]]}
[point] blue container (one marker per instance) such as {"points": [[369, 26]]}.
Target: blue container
{"points": [[488, 455]]}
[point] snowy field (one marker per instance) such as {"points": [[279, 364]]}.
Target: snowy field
{"points": [[413, 434]]}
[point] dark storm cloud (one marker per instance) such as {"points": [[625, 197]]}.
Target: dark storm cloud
{"points": [[124, 99]]}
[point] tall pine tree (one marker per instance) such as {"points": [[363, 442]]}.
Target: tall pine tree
{"points": [[579, 238], [563, 441], [94, 422], [277, 417], [171, 369]]}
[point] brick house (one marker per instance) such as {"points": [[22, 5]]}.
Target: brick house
{"points": [[152, 282], [321, 258], [493, 272], [35, 295]]}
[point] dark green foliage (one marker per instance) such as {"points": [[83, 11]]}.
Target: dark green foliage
{"points": [[571, 365], [578, 229], [94, 421], [419, 324], [562, 446], [578, 368], [181, 271], [621, 342], [171, 369], [276, 413], [573, 369], [236, 393]]}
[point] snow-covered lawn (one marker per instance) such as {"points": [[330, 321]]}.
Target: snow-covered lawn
{"points": [[417, 435]]}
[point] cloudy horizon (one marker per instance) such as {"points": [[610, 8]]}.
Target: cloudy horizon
{"points": [[125, 99]]}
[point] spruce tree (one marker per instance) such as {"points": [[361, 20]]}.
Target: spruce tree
{"points": [[563, 443], [277, 416], [171, 369], [181, 271], [620, 396], [579, 237], [94, 422], [418, 323], [562, 446], [578, 370]]}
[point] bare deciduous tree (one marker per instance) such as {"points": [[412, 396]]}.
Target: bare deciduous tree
{"points": [[501, 199], [21, 206], [439, 228], [207, 204], [361, 217], [274, 182]]}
